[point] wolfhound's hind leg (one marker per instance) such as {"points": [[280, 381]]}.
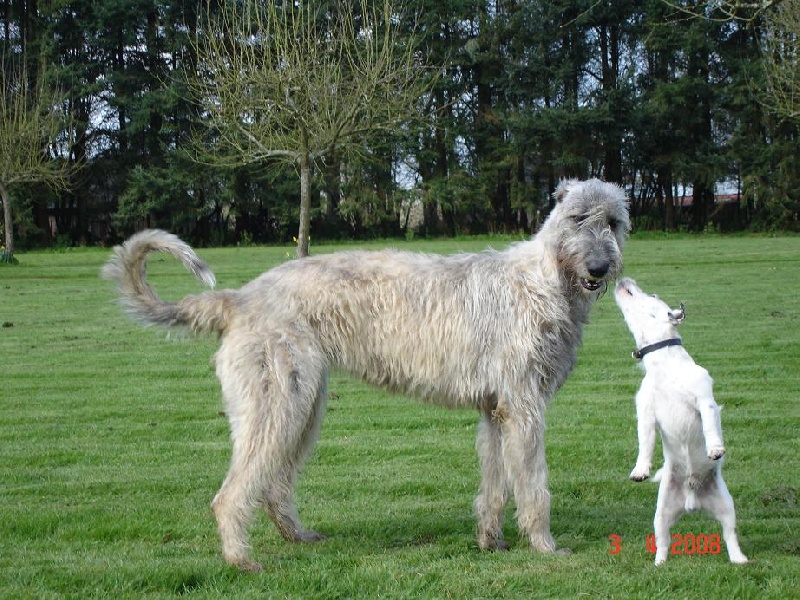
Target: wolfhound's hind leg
{"points": [[233, 505], [300, 438], [275, 412]]}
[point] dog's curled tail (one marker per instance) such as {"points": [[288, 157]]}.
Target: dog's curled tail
{"points": [[204, 312]]}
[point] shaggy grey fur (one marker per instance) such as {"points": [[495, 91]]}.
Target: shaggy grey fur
{"points": [[496, 331]]}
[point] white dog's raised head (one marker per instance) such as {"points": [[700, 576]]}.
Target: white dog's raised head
{"points": [[649, 318]]}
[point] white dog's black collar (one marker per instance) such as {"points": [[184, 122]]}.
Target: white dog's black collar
{"points": [[639, 354]]}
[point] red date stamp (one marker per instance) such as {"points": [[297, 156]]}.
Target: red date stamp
{"points": [[679, 543]]}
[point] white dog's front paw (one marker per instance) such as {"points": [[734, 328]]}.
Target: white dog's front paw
{"points": [[639, 473], [716, 452]]}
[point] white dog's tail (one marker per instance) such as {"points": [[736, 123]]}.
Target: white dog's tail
{"points": [[127, 268]]}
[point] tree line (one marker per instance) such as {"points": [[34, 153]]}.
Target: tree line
{"points": [[675, 101]]}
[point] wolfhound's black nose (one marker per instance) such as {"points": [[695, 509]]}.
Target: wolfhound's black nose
{"points": [[598, 268]]}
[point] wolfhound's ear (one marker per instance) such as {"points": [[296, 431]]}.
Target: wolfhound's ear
{"points": [[563, 187]]}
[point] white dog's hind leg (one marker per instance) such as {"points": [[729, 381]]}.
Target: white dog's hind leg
{"points": [[669, 507], [719, 503], [493, 494], [646, 430]]}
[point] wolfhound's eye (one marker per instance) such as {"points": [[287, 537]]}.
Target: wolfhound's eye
{"points": [[579, 219], [613, 223]]}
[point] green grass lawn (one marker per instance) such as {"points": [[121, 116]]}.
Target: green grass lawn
{"points": [[113, 444]]}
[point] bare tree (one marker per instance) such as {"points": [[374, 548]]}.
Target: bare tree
{"points": [[294, 81], [30, 126], [781, 45]]}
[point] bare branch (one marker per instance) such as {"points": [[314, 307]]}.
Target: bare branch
{"points": [[270, 76], [725, 10], [781, 47]]}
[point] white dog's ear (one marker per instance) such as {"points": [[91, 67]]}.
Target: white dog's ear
{"points": [[678, 315], [563, 188]]}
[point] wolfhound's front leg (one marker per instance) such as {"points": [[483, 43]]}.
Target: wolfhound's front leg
{"points": [[524, 459], [493, 493]]}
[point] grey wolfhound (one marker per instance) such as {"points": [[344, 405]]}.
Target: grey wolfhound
{"points": [[496, 331]]}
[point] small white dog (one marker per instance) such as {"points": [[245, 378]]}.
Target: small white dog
{"points": [[676, 395]]}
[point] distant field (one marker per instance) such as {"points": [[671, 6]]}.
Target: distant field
{"points": [[113, 444]]}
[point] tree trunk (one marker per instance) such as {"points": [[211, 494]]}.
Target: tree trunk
{"points": [[305, 206], [702, 203], [8, 224], [609, 50], [333, 191], [670, 221], [665, 183]]}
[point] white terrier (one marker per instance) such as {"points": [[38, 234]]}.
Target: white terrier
{"points": [[676, 395]]}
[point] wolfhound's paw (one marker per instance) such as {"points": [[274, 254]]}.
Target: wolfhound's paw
{"points": [[548, 546], [493, 544], [247, 566], [639, 474], [308, 535], [660, 560], [716, 452]]}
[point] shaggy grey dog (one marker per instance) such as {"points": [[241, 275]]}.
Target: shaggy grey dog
{"points": [[496, 331]]}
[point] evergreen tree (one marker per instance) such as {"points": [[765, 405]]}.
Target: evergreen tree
{"points": [[666, 101]]}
